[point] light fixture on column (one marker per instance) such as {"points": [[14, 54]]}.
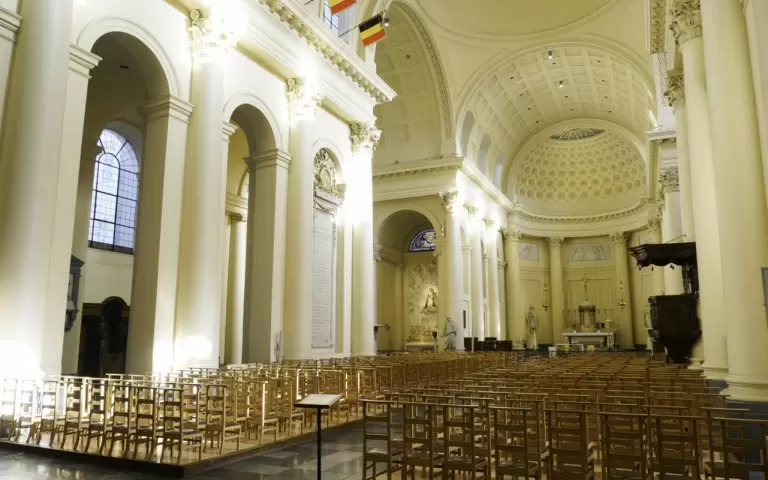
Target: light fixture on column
{"points": [[622, 303], [549, 55], [560, 84], [386, 21], [545, 304]]}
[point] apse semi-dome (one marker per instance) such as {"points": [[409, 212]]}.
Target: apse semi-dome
{"points": [[580, 172]]}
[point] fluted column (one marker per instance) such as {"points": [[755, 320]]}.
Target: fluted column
{"points": [[515, 316], [29, 172], [398, 329], [626, 335], [454, 271], [200, 276], [364, 138], [556, 287], [654, 228], [686, 26], [682, 173], [671, 225], [476, 273], [494, 294], [236, 290], [741, 195], [297, 323]]}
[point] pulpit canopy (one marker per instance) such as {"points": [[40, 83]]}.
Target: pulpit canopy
{"points": [[663, 254]]}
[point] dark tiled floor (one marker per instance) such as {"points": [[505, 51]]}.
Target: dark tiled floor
{"points": [[341, 459]]}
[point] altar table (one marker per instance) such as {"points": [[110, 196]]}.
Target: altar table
{"points": [[589, 338], [421, 347]]}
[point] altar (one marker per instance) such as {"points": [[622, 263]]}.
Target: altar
{"points": [[417, 347], [604, 339]]}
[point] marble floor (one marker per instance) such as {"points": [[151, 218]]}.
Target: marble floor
{"points": [[342, 458]]}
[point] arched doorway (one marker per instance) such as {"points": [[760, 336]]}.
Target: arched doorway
{"points": [[408, 295], [104, 337]]}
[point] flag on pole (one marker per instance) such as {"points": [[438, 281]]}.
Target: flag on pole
{"points": [[372, 30], [338, 6]]}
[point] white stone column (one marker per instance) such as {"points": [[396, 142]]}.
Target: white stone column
{"points": [[556, 287], [236, 290], [494, 293], [476, 273], [626, 336], [676, 96], [158, 232], [31, 172], [90, 150], [364, 138], [671, 226], [515, 315], [398, 342], [741, 195], [224, 317], [297, 320], [265, 274], [200, 277], [654, 229], [756, 16], [452, 205], [686, 26]]}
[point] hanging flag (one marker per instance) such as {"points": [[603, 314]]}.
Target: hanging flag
{"points": [[372, 30], [338, 6]]}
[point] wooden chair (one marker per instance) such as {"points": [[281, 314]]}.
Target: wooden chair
{"points": [[744, 449], [421, 445], [98, 423], [674, 446], [51, 415], [513, 455], [460, 450], [624, 437], [75, 407], [380, 445], [571, 453], [147, 420], [123, 427], [180, 423]]}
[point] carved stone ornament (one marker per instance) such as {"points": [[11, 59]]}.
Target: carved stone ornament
{"points": [[685, 20], [654, 224], [325, 173], [555, 242], [675, 93], [364, 135], [303, 97], [450, 200], [669, 179], [619, 238], [514, 235], [210, 33]]}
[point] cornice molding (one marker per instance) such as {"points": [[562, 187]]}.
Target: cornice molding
{"points": [[169, 106], [9, 24], [685, 20], [657, 18], [237, 204], [82, 61], [298, 19], [639, 206]]}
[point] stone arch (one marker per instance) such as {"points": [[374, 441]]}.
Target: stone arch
{"points": [[100, 27], [466, 131], [384, 215], [257, 121]]}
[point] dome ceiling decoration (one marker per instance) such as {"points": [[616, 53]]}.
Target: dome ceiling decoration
{"points": [[559, 83], [577, 134], [507, 18], [593, 175]]}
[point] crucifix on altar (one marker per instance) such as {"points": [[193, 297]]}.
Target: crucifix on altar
{"points": [[587, 309]]}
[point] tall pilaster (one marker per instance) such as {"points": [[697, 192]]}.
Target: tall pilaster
{"points": [[556, 286], [686, 26], [676, 96], [654, 228], [515, 314], [740, 193], [304, 99], [360, 192], [476, 273], [30, 174], [671, 225], [494, 294], [265, 260], [199, 290], [236, 291], [622, 292], [453, 207]]}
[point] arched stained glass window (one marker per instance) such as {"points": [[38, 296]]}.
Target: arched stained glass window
{"points": [[424, 241], [115, 195]]}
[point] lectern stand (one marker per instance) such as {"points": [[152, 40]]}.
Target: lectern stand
{"points": [[319, 401]]}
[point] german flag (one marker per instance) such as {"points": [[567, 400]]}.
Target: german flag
{"points": [[338, 6], [372, 30]]}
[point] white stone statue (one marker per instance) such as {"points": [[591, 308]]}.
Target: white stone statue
{"points": [[449, 335], [532, 323]]}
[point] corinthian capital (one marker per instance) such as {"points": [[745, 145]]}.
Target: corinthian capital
{"points": [[212, 32], [619, 238], [450, 201], [675, 93], [654, 224], [669, 179], [555, 242], [303, 98], [364, 135], [686, 20]]}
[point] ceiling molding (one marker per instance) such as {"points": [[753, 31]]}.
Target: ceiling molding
{"points": [[436, 66], [657, 25]]}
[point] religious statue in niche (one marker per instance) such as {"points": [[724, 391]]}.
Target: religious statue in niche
{"points": [[422, 302], [532, 324], [325, 173], [449, 335]]}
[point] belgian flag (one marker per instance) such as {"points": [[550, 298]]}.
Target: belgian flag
{"points": [[338, 6], [372, 30]]}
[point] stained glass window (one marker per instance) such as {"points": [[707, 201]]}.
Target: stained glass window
{"points": [[424, 241], [331, 20], [115, 195]]}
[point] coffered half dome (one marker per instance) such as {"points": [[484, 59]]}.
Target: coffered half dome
{"points": [[579, 171]]}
